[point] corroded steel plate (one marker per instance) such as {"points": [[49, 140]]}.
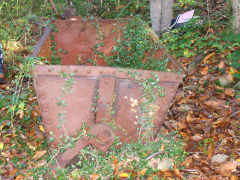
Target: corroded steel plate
{"points": [[78, 38], [113, 91]]}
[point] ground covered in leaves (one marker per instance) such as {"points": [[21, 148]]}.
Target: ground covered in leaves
{"points": [[205, 111]]}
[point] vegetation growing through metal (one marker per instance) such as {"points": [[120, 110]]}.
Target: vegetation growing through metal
{"points": [[92, 161], [135, 49]]}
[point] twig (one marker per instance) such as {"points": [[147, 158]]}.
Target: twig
{"points": [[236, 85], [54, 7], [233, 114], [154, 154]]}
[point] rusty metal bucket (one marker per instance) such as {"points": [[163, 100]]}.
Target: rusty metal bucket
{"points": [[100, 96]]}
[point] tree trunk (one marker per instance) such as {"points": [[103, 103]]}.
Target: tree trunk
{"points": [[156, 13], [167, 14], [236, 16], [161, 15]]}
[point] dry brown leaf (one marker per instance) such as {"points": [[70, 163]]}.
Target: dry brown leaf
{"points": [[13, 172], [217, 104], [142, 172], [221, 65], [39, 154], [94, 176], [21, 114], [211, 150], [41, 163], [19, 177], [229, 92], [162, 148], [230, 77], [234, 177], [207, 57], [167, 173], [205, 71], [188, 161], [177, 172], [227, 168], [196, 138]]}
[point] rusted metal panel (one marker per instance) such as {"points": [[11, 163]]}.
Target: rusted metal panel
{"points": [[43, 46], [78, 38], [112, 91]]}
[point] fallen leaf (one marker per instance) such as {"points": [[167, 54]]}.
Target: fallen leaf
{"points": [[227, 168], [14, 171], [232, 70], [41, 163], [142, 172], [115, 160], [19, 177], [229, 92], [196, 138], [21, 114], [205, 71], [188, 161], [167, 173], [162, 148], [39, 154], [217, 104], [94, 176], [41, 128], [210, 150], [123, 175], [234, 177], [221, 65], [1, 145], [230, 77], [207, 57], [177, 172]]}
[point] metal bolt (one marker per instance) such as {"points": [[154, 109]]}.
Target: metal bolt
{"points": [[114, 72], [101, 71], [49, 70], [75, 70], [88, 71]]}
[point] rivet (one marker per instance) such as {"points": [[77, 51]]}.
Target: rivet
{"points": [[88, 71], [75, 70], [114, 72], [101, 71], [49, 70]]}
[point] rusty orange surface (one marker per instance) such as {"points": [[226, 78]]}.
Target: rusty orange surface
{"points": [[78, 38], [118, 99]]}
